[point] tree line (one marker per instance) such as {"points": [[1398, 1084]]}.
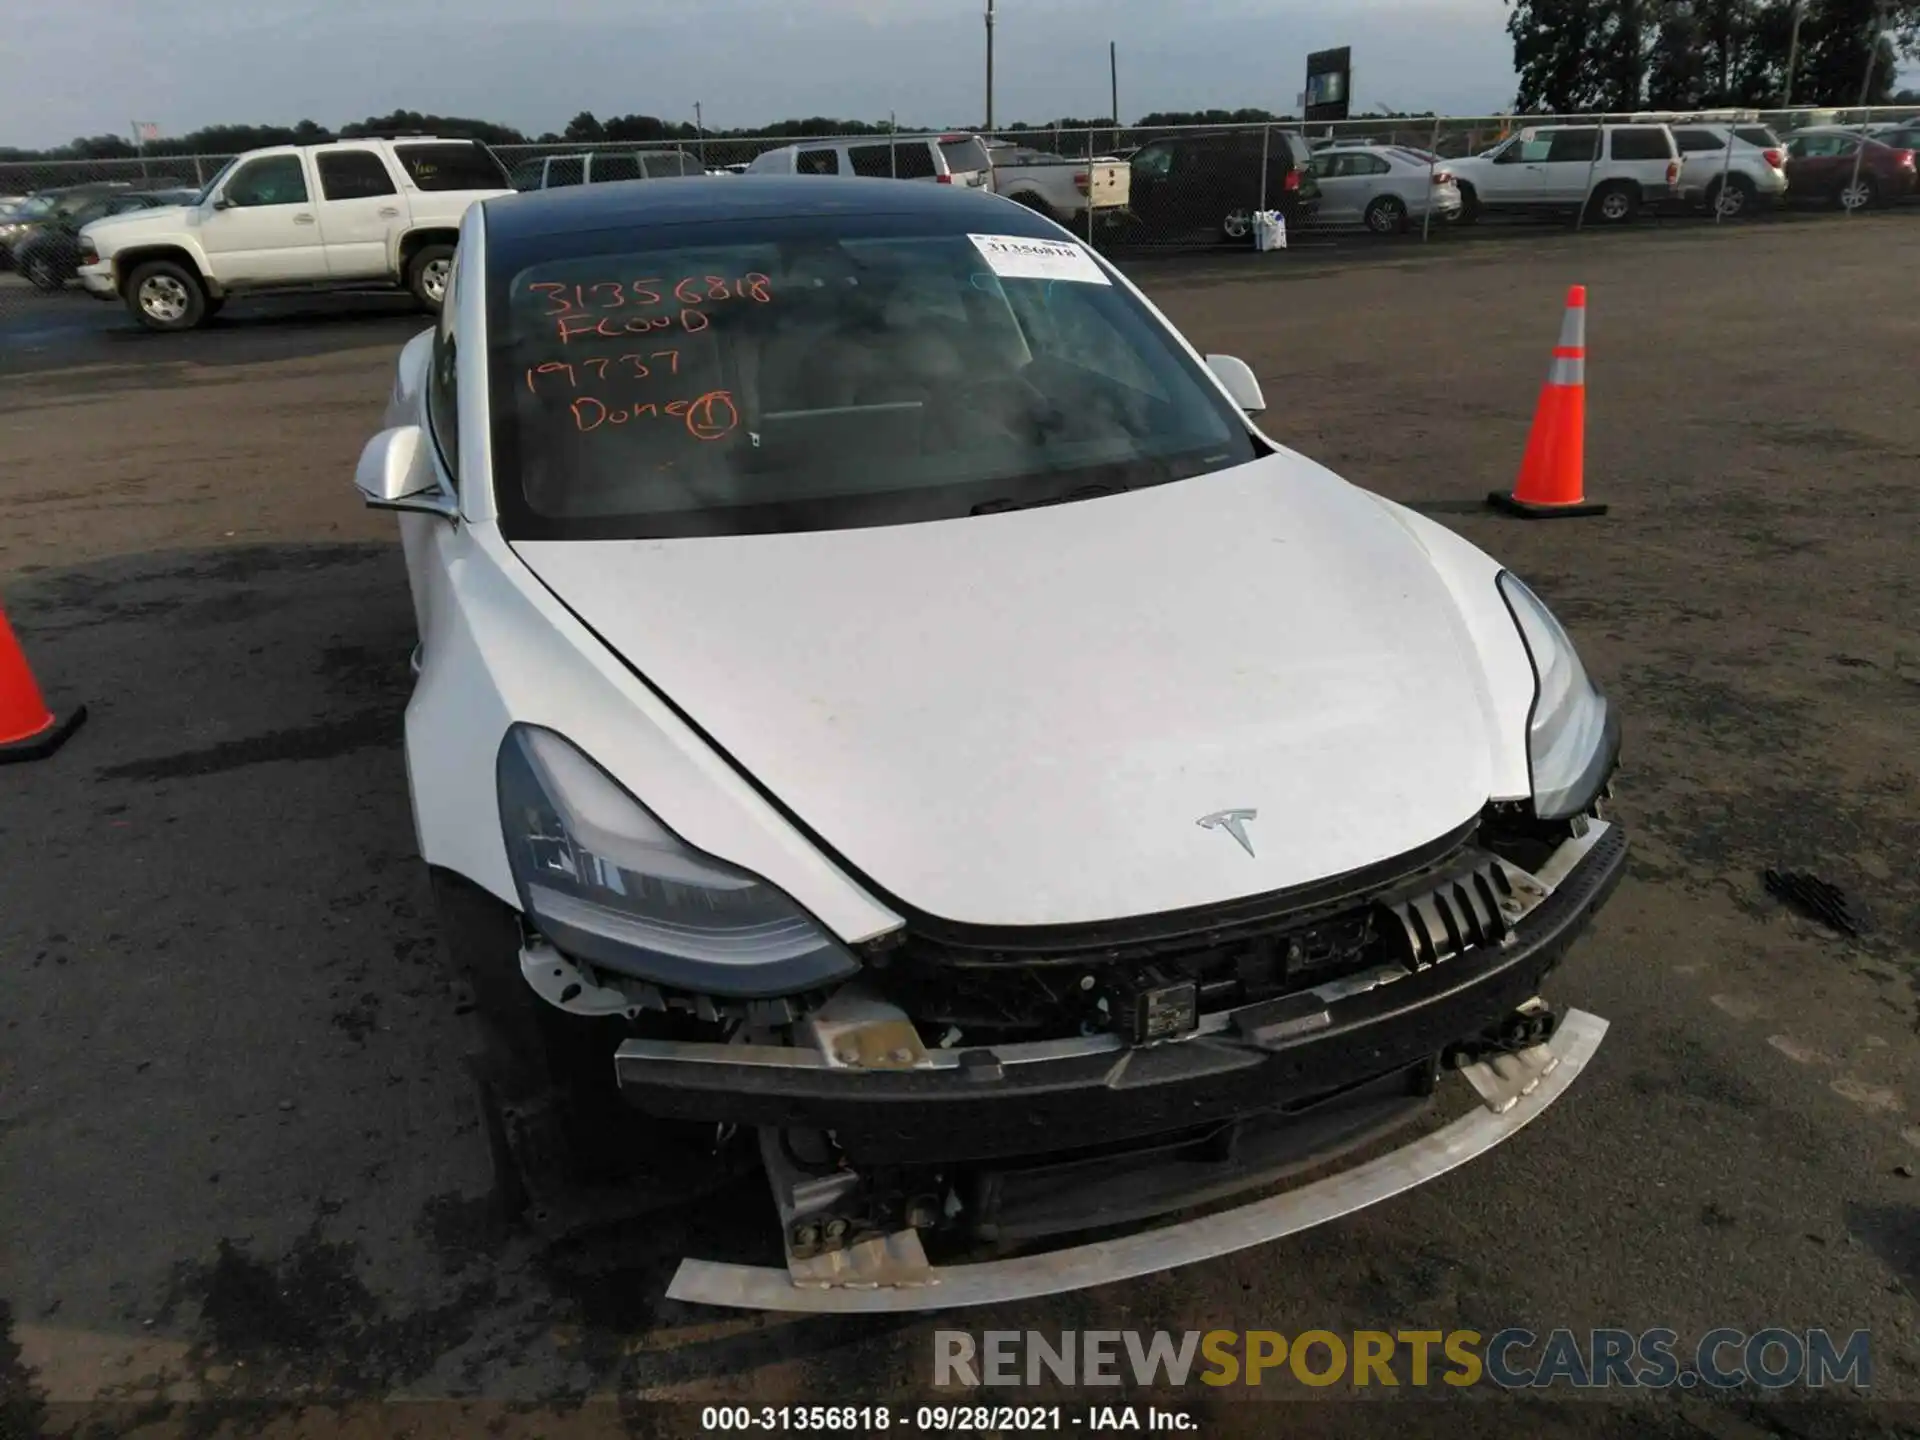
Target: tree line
{"points": [[1625, 55]]}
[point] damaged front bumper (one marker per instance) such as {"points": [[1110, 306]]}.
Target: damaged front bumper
{"points": [[1015, 1141]]}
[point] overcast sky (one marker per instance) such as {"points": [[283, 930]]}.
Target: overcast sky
{"points": [[90, 69]]}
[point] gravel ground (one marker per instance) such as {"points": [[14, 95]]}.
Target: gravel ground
{"points": [[242, 1169]]}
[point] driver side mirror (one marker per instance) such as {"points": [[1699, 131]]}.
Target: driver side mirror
{"points": [[222, 203], [1238, 377], [396, 473]]}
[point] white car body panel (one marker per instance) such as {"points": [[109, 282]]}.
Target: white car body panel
{"points": [[1020, 719]]}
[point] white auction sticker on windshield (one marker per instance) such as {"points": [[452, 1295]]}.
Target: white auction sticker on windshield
{"points": [[1019, 257]]}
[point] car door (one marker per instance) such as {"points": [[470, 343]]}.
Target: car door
{"points": [[262, 226], [1517, 175], [1340, 187], [1151, 181], [1813, 163], [1566, 172], [361, 211]]}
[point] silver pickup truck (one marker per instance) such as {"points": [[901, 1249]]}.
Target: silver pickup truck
{"points": [[1060, 186]]}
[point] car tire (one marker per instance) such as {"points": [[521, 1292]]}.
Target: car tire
{"points": [[1034, 203], [1387, 215], [1469, 204], [427, 275], [1236, 226], [164, 295], [1861, 194], [545, 1078], [1735, 201], [1614, 204], [43, 274]]}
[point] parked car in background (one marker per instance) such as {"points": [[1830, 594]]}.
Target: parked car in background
{"points": [[944, 159], [49, 256], [1902, 136], [369, 213], [1609, 172], [1828, 165], [1731, 169], [600, 167], [37, 209], [1381, 187], [1185, 183], [1059, 187]]}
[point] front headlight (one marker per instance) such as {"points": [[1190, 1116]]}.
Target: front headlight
{"points": [[607, 883], [1573, 738]]}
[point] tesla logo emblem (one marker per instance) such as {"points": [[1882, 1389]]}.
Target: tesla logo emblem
{"points": [[1234, 822]]}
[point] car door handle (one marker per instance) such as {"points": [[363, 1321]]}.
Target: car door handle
{"points": [[389, 212], [303, 219]]}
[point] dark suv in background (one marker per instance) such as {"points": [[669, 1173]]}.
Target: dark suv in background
{"points": [[1183, 184]]}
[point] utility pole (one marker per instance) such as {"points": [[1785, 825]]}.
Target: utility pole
{"points": [[1793, 54], [989, 124], [700, 130], [1113, 77]]}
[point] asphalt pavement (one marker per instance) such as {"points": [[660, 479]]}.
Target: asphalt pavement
{"points": [[241, 1165]]}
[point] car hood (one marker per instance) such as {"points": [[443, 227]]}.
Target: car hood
{"points": [[160, 217], [1021, 718]]}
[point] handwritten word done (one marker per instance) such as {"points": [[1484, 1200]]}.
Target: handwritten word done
{"points": [[711, 416], [689, 290]]}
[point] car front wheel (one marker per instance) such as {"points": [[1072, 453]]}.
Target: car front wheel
{"points": [[1732, 200], [163, 295]]}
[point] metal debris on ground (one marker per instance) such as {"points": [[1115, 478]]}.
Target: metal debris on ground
{"points": [[1814, 897]]}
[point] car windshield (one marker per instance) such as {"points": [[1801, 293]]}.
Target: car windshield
{"points": [[206, 191], [806, 374]]}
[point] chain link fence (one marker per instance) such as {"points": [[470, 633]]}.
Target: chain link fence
{"points": [[1130, 189]]}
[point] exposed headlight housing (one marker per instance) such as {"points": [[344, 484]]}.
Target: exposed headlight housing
{"points": [[1573, 736], [607, 883]]}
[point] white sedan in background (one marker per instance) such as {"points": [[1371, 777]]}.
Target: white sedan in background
{"points": [[884, 709], [1382, 187]]}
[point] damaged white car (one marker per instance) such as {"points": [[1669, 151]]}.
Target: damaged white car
{"points": [[883, 709]]}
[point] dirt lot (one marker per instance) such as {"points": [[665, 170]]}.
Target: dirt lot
{"points": [[241, 1166]]}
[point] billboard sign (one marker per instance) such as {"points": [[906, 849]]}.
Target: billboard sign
{"points": [[1329, 84]]}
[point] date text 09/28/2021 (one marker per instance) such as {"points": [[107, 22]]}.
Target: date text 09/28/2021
{"points": [[944, 1419]]}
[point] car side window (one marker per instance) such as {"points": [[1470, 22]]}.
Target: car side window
{"points": [[915, 161], [270, 180], [443, 384], [1639, 142], [353, 175], [1532, 151], [566, 170], [818, 162], [1692, 142], [1581, 145], [1370, 165], [606, 169], [1155, 160], [873, 161]]}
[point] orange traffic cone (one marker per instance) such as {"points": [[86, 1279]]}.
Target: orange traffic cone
{"points": [[28, 730], [1553, 470]]}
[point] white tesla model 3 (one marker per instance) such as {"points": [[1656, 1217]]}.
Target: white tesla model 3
{"points": [[884, 710]]}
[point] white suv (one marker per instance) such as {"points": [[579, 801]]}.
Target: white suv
{"points": [[1733, 175], [1610, 171], [351, 214], [945, 159]]}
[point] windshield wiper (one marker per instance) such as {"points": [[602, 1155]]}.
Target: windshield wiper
{"points": [[1079, 492]]}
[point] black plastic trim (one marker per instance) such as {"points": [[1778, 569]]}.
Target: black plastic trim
{"points": [[1266, 1060]]}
